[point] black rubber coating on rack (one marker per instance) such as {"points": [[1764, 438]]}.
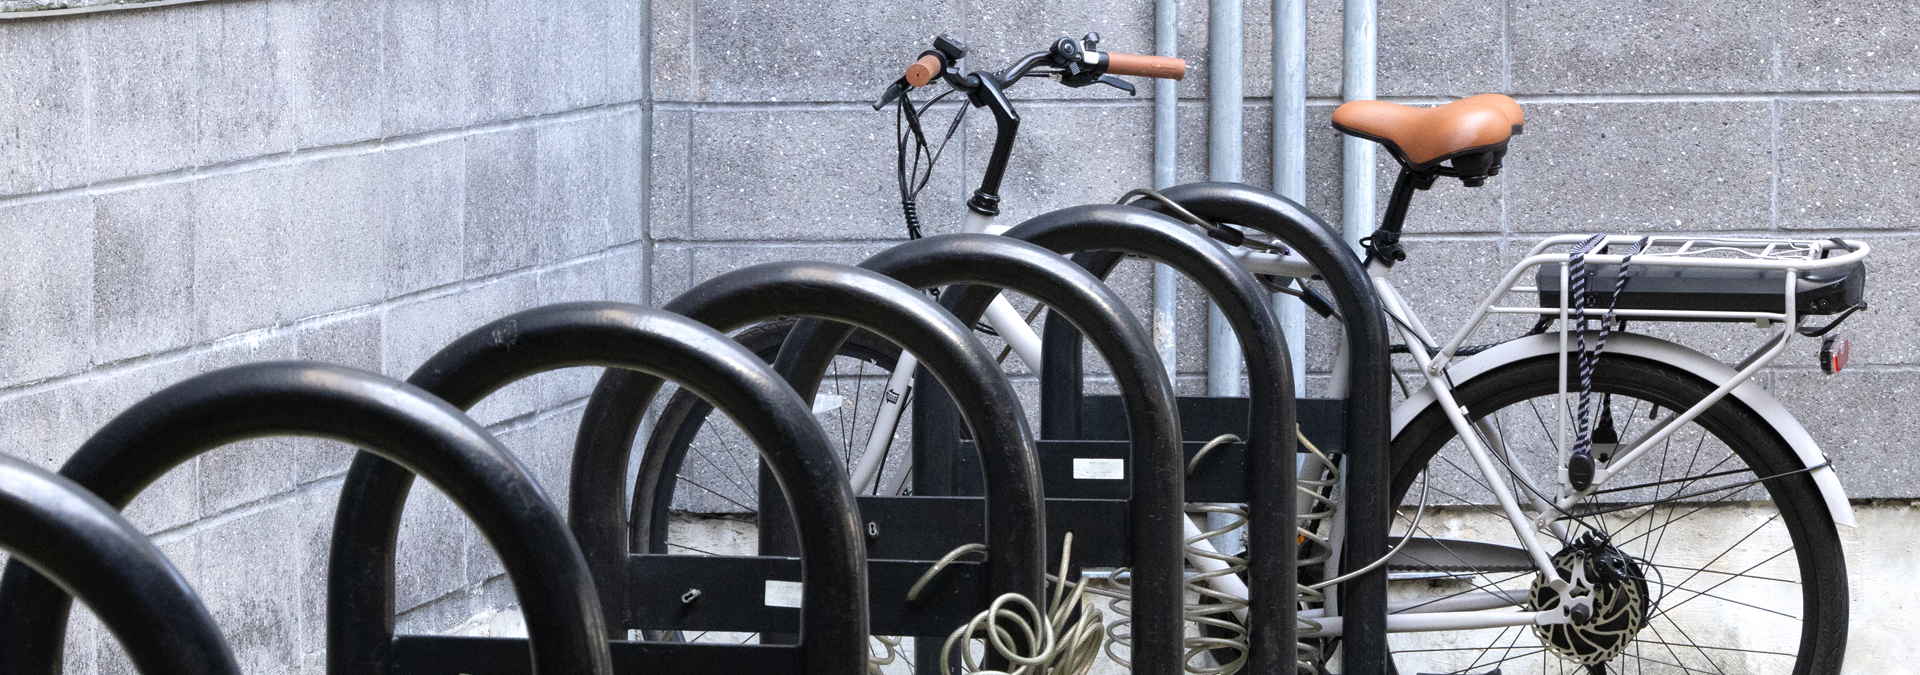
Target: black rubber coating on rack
{"points": [[1158, 467], [1016, 515], [67, 534], [1099, 236], [388, 417], [1363, 600], [665, 345]]}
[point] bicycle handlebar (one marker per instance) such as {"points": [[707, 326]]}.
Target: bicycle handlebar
{"points": [[1140, 65], [923, 70]]}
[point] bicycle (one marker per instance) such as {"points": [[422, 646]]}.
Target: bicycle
{"points": [[1580, 563]]}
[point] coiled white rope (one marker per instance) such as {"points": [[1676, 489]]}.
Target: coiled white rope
{"points": [[1053, 642]]}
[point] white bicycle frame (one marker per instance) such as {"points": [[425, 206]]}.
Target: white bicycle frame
{"points": [[1793, 257]]}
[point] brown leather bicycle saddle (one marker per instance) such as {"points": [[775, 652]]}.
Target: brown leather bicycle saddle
{"points": [[1423, 138]]}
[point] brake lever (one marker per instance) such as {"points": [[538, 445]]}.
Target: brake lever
{"points": [[894, 91], [1117, 83]]}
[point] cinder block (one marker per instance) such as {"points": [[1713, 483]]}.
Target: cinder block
{"points": [[627, 37], [336, 80], [1848, 164], [240, 282], [82, 634], [809, 52], [46, 289], [428, 564], [1619, 46], [143, 271], [424, 74], [47, 426], [1449, 48], [1445, 280], [174, 500], [144, 90], [438, 617], [583, 281], [316, 507], [571, 179], [627, 277], [505, 60], [1057, 163], [670, 272], [1610, 167], [244, 67], [251, 470], [578, 37], [1863, 421], [1192, 162], [671, 41], [354, 342], [335, 245], [46, 149], [1849, 46], [814, 174], [420, 192], [668, 216], [250, 583], [502, 202], [415, 330], [626, 174]]}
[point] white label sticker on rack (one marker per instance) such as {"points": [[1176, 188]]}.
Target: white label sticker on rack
{"points": [[783, 593], [1088, 468]]}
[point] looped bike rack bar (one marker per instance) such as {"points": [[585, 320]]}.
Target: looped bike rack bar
{"points": [[68, 535], [664, 345], [1015, 512], [387, 417], [1099, 236], [1369, 403], [1157, 477]]}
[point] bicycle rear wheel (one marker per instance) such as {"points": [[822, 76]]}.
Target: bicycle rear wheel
{"points": [[1715, 551]]}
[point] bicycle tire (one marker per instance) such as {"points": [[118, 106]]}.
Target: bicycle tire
{"points": [[1778, 476]]}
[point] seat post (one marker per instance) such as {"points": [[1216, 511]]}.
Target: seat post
{"points": [[1384, 244]]}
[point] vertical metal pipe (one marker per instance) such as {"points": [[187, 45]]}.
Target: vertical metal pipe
{"points": [[1290, 155], [1225, 57], [1356, 185], [1166, 148]]}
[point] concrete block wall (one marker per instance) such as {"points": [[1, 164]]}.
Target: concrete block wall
{"points": [[191, 187]]}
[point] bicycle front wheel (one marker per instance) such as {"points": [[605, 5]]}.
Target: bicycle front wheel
{"points": [[1712, 553]]}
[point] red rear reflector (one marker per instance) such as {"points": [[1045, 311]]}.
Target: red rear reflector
{"points": [[1833, 354]]}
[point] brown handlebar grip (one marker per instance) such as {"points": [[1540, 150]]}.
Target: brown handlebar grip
{"points": [[923, 70], [1146, 66]]}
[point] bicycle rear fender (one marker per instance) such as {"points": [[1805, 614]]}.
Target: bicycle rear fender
{"points": [[1679, 356]]}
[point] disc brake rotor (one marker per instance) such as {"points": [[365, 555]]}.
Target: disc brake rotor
{"points": [[1621, 605]]}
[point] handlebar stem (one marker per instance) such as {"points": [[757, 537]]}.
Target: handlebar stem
{"points": [[990, 95]]}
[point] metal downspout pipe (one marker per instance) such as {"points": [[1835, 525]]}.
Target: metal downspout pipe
{"points": [[1225, 60], [1358, 80], [1290, 155], [1166, 148]]}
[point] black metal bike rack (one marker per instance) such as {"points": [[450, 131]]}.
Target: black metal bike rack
{"points": [[390, 418], [1368, 407], [832, 560], [68, 535], [1153, 534], [1014, 512], [1100, 235]]}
